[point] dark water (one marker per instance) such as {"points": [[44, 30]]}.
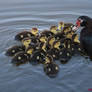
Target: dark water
{"points": [[17, 15]]}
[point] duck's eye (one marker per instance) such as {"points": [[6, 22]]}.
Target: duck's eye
{"points": [[68, 54], [56, 68], [19, 58], [21, 36], [13, 51], [38, 57]]}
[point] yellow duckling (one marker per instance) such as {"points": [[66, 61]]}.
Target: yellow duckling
{"points": [[35, 31], [26, 42], [50, 42], [43, 38], [53, 29], [60, 26]]}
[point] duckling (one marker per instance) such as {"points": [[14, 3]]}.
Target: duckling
{"points": [[51, 69], [14, 49], [39, 55], [76, 47], [50, 42], [60, 26], [54, 30], [65, 55], [43, 38], [47, 33], [35, 32], [20, 58], [20, 36], [26, 42]]}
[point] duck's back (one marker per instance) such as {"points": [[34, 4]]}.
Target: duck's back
{"points": [[86, 40]]}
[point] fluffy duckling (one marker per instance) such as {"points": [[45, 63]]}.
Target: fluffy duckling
{"points": [[39, 55], [14, 49], [43, 38], [20, 36], [47, 33], [35, 32], [20, 58], [60, 26], [54, 52], [50, 42], [50, 68], [76, 47], [54, 30], [26, 42], [65, 55]]}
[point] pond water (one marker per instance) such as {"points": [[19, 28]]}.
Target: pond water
{"points": [[17, 15]]}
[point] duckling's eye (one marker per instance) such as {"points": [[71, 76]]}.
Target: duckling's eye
{"points": [[13, 51], [19, 58], [21, 36], [68, 54]]}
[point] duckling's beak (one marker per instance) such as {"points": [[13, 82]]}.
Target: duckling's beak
{"points": [[77, 25]]}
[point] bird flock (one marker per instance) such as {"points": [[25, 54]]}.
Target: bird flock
{"points": [[58, 43]]}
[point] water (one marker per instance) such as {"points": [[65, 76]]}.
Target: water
{"points": [[17, 15]]}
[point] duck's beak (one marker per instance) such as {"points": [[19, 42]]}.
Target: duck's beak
{"points": [[76, 26]]}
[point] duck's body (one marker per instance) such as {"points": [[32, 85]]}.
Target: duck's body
{"points": [[86, 33]]}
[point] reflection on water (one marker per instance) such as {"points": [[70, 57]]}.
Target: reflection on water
{"points": [[17, 15]]}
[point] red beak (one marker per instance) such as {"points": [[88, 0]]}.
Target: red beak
{"points": [[78, 23]]}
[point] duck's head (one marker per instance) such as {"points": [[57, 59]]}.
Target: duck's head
{"points": [[75, 38], [60, 25], [34, 31], [53, 29], [82, 21], [26, 42], [43, 38], [56, 44], [51, 40]]}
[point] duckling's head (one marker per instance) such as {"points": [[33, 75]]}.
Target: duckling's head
{"points": [[75, 38], [43, 38], [66, 30], [53, 29], [51, 40], [43, 46], [48, 59], [34, 31], [26, 42], [56, 44], [60, 26], [70, 34], [30, 50]]}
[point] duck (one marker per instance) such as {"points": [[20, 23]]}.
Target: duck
{"points": [[11, 51], [20, 58], [85, 23], [32, 33], [50, 68]]}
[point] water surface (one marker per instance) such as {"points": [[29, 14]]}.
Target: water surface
{"points": [[17, 15]]}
